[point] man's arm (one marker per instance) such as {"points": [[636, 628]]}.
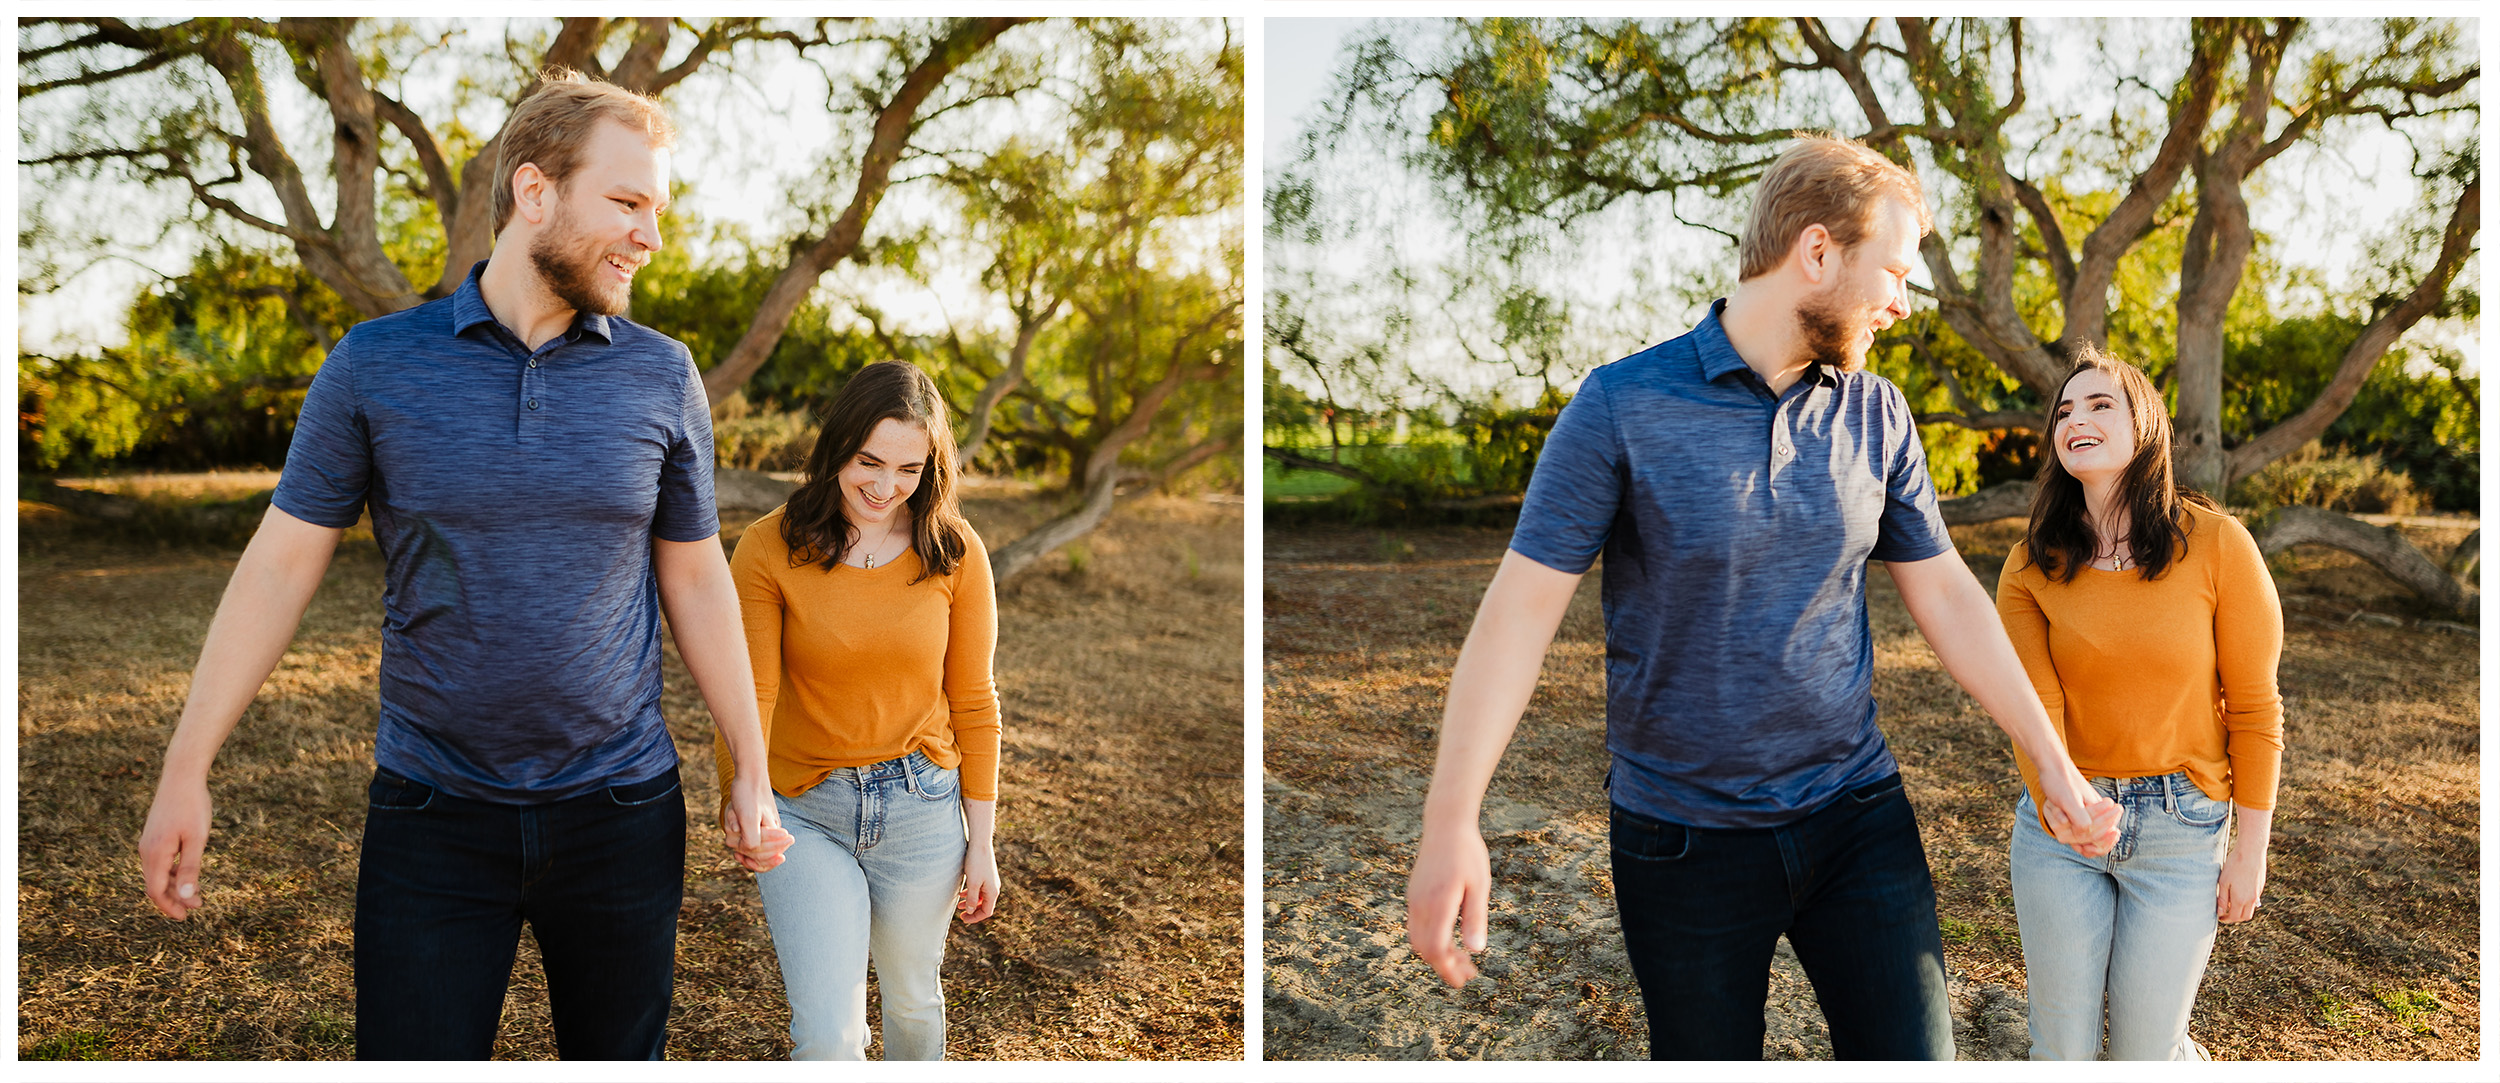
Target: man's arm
{"points": [[1959, 620], [701, 601], [1490, 686], [255, 621]]}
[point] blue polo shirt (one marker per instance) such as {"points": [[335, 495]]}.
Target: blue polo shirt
{"points": [[515, 496], [1736, 527]]}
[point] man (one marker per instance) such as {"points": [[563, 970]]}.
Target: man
{"points": [[1737, 480], [540, 481]]}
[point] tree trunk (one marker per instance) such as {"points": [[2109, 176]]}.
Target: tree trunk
{"points": [[2383, 547], [985, 404], [1013, 558]]}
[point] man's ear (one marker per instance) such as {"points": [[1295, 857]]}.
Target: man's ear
{"points": [[1817, 255], [531, 193]]}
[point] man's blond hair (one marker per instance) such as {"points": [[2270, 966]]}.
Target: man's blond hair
{"points": [[550, 127], [1828, 181]]}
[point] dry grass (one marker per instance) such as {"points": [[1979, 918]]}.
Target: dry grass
{"points": [[1119, 935], [2366, 948]]}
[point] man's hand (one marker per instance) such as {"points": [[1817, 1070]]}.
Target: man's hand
{"points": [[169, 849], [1452, 881], [751, 825]]}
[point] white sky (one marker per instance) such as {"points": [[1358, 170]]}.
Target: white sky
{"points": [[2319, 206]]}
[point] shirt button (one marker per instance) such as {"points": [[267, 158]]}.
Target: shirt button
{"points": [[533, 362], [533, 404]]}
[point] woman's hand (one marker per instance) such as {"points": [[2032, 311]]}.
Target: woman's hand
{"points": [[978, 898], [2244, 871]]}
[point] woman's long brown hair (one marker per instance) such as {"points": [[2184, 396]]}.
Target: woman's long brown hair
{"points": [[2060, 540], [814, 525]]}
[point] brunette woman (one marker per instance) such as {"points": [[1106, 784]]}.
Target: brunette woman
{"points": [[870, 618], [2150, 627]]}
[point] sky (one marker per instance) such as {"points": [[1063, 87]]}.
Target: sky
{"points": [[2316, 205]]}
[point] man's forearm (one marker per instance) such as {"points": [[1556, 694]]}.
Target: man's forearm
{"points": [[264, 602], [1490, 686], [1960, 622], [701, 599]]}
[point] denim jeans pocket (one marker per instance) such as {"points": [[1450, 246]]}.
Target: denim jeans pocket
{"points": [[930, 781], [1639, 838], [646, 791], [390, 791], [2190, 806]]}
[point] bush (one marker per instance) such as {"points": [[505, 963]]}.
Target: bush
{"points": [[752, 438], [2337, 482]]}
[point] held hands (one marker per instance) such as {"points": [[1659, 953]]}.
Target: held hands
{"points": [[978, 898], [169, 847], [751, 826], [2080, 816], [1452, 880]]}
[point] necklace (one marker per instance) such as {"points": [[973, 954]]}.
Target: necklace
{"points": [[869, 558], [2118, 561]]}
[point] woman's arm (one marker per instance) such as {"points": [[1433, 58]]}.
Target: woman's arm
{"points": [[2248, 646], [759, 617], [971, 690]]}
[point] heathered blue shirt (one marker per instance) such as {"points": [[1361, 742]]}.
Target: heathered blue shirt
{"points": [[1736, 528], [515, 496]]}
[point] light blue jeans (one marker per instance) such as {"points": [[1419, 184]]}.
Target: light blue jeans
{"points": [[2135, 924], [877, 856]]}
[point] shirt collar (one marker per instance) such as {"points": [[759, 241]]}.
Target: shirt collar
{"points": [[1719, 357], [468, 309]]}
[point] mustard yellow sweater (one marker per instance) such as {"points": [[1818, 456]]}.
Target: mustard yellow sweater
{"points": [[855, 666], [2146, 678]]}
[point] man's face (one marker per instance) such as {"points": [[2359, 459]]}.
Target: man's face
{"points": [[605, 223], [1868, 291]]}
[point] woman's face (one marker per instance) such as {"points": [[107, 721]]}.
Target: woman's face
{"points": [[884, 472], [2093, 428]]}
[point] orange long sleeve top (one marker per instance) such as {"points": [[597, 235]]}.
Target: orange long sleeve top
{"points": [[855, 666], [2145, 678]]}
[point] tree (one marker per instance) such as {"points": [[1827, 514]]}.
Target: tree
{"points": [[197, 142], [1531, 127]]}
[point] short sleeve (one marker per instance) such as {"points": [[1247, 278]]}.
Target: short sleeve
{"points": [[1577, 487], [329, 463], [686, 511], [1912, 528]]}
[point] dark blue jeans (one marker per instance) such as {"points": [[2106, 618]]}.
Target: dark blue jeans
{"points": [[445, 883], [1703, 909]]}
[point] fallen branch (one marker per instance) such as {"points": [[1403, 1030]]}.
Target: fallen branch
{"points": [[2384, 548]]}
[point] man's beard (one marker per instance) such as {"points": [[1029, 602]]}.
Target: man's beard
{"points": [[575, 269], [1831, 334]]}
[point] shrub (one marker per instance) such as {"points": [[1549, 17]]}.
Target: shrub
{"points": [[753, 438], [2337, 482]]}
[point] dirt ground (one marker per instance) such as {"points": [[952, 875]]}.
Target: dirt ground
{"points": [[1118, 936], [2366, 946]]}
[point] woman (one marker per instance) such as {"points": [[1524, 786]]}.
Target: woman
{"points": [[870, 618], [2151, 629]]}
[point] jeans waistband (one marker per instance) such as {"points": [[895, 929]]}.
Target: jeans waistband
{"points": [[2176, 782]]}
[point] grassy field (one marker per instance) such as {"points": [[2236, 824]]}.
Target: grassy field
{"points": [[1118, 936], [2367, 946]]}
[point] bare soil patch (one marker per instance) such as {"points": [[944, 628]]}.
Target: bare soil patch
{"points": [[2366, 947], [1119, 935]]}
